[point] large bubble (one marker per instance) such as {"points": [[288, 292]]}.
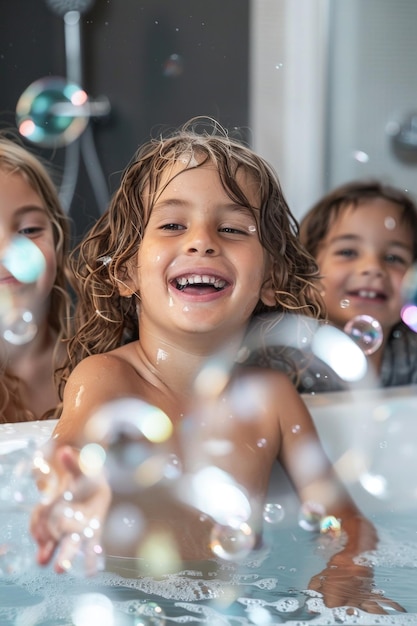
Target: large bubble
{"points": [[52, 112], [366, 331], [24, 260]]}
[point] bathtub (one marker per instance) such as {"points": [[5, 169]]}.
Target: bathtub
{"points": [[370, 437]]}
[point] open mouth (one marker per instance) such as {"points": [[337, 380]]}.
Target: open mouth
{"points": [[202, 283], [369, 294]]}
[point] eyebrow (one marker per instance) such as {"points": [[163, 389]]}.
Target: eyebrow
{"points": [[29, 209], [355, 238]]}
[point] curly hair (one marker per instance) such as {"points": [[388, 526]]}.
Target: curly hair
{"points": [[104, 319], [316, 223], [16, 158]]}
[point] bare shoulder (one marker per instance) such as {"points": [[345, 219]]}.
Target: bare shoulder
{"points": [[96, 380]]}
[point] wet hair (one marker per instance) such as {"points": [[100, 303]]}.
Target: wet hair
{"points": [[105, 320], [17, 159], [316, 223]]}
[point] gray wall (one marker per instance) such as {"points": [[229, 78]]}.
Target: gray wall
{"points": [[126, 44]]}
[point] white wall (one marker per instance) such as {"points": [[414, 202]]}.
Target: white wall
{"points": [[327, 78], [288, 74]]}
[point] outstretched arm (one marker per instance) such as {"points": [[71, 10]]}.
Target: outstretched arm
{"points": [[71, 522], [346, 580]]}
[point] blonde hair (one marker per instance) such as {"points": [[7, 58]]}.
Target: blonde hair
{"points": [[16, 158], [104, 319]]}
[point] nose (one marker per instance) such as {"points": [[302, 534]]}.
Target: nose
{"points": [[202, 242], [372, 266]]}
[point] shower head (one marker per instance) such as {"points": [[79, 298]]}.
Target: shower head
{"points": [[62, 7]]}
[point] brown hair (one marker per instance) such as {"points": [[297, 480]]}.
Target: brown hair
{"points": [[16, 158], [315, 224], [104, 320]]}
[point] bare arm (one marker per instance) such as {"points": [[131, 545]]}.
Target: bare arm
{"points": [[345, 581]]}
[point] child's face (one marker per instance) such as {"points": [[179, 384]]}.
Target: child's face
{"points": [[22, 212], [201, 266], [363, 259]]}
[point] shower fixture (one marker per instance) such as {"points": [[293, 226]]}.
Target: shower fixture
{"points": [[56, 111]]}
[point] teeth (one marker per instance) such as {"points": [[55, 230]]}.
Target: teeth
{"points": [[197, 279], [364, 293]]}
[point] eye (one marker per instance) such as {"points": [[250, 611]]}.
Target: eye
{"points": [[232, 230], [347, 253], [396, 258], [172, 226], [30, 231]]}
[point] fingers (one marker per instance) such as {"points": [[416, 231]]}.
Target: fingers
{"points": [[339, 590], [70, 523]]}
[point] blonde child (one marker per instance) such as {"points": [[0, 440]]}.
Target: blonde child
{"points": [[197, 241], [30, 208], [363, 236]]}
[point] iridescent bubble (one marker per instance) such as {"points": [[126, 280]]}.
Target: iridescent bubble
{"points": [[330, 524], [366, 332], [345, 303], [24, 260], [52, 112], [409, 316], [173, 66], [232, 543], [18, 326], [273, 513]]}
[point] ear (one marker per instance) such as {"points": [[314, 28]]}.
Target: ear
{"points": [[267, 294]]}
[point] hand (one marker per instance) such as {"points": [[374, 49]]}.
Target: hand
{"points": [[71, 522], [350, 585]]}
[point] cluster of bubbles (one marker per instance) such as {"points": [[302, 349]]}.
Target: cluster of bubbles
{"points": [[26, 263]]}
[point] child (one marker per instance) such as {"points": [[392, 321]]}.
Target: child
{"points": [[29, 207], [363, 236], [197, 240]]}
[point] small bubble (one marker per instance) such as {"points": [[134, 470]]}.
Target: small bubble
{"points": [[232, 542], [390, 223], [273, 513], [345, 303]]}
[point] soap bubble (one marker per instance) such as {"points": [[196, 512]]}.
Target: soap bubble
{"points": [[409, 316], [273, 513], [366, 331], [232, 542], [52, 112], [173, 66], [24, 260], [18, 326]]}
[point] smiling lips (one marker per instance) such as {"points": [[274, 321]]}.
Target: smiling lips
{"points": [[199, 282], [368, 294]]}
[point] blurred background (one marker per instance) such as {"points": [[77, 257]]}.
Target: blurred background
{"points": [[326, 90]]}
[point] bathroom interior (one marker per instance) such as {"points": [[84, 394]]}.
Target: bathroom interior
{"points": [[326, 91]]}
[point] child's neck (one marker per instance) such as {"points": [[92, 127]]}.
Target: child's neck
{"points": [[177, 365]]}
